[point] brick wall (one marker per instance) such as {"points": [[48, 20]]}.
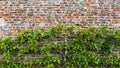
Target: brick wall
{"points": [[17, 15]]}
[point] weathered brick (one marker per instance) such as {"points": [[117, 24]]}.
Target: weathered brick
{"points": [[19, 13]]}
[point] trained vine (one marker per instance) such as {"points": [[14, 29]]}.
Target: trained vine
{"points": [[62, 46]]}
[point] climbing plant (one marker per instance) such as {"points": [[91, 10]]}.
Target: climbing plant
{"points": [[61, 46]]}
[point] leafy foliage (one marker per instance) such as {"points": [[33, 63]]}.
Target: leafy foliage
{"points": [[62, 46]]}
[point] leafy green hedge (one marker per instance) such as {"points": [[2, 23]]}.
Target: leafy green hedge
{"points": [[62, 46]]}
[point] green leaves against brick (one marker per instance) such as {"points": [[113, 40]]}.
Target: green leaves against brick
{"points": [[62, 45]]}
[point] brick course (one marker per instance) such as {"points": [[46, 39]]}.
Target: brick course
{"points": [[17, 15]]}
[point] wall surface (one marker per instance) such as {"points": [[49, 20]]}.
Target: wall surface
{"points": [[17, 15]]}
